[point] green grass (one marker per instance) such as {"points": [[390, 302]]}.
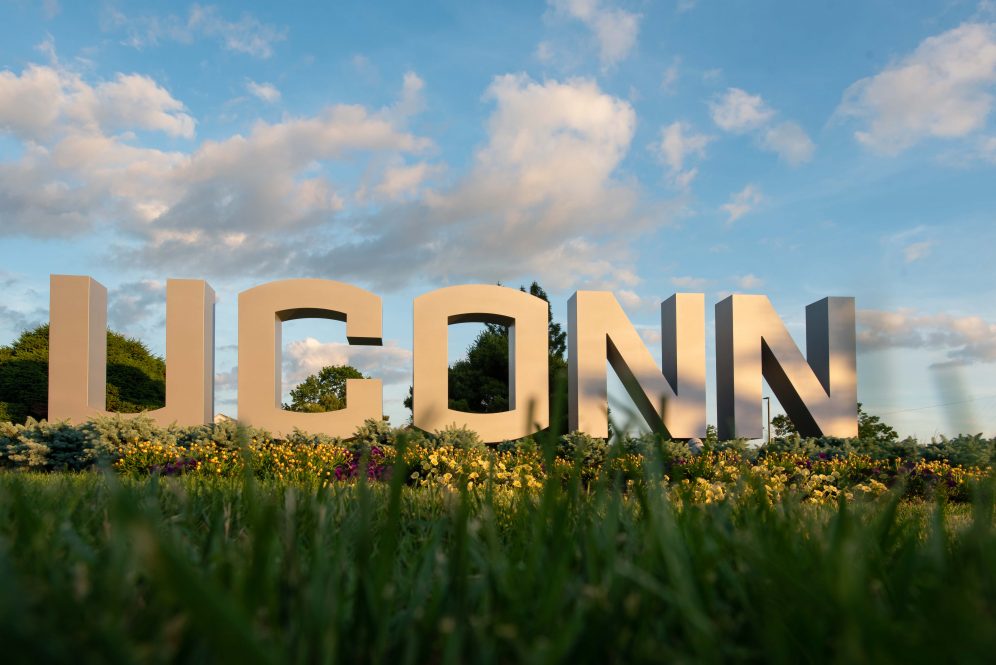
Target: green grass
{"points": [[98, 568]]}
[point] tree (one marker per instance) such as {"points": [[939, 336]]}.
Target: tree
{"points": [[136, 378], [782, 427], [325, 391], [479, 382], [870, 428]]}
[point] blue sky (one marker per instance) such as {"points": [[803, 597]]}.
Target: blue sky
{"points": [[798, 150]]}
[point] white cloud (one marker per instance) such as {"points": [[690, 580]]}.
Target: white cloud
{"points": [[389, 363], [632, 300], [679, 142], [964, 339], [131, 304], [544, 52], [17, 321], [651, 335], [248, 193], [739, 111], [246, 35], [943, 89], [227, 380], [614, 29], [411, 100], [749, 282], [912, 244], [79, 162], [43, 100], [987, 148], [265, 91], [917, 250], [670, 78], [790, 141], [541, 199], [133, 101], [31, 103], [741, 203], [404, 180], [693, 283]]}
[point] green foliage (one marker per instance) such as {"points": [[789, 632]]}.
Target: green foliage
{"points": [[964, 449], [136, 379], [325, 391], [194, 570], [44, 446], [782, 427], [374, 433], [107, 433], [458, 437], [870, 428], [479, 382], [588, 452], [740, 446], [226, 434], [300, 438]]}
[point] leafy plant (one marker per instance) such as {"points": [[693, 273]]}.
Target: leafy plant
{"points": [[324, 391]]}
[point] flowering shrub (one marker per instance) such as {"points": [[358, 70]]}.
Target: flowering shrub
{"points": [[455, 459]]}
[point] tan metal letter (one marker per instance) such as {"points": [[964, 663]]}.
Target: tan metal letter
{"points": [[528, 378], [262, 310], [671, 401], [819, 396], [77, 374]]}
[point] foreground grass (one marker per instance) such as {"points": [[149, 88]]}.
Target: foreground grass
{"points": [[98, 568]]}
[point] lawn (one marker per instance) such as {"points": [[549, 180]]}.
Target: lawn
{"points": [[101, 566]]}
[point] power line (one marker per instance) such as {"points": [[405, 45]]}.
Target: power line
{"points": [[935, 406]]}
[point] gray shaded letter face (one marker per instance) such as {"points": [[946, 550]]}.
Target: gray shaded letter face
{"points": [[528, 378], [262, 310], [77, 377], [672, 400], [819, 396]]}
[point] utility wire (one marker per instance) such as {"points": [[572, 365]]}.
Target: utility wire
{"points": [[935, 406]]}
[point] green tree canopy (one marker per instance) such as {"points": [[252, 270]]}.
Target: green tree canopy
{"points": [[870, 428], [479, 382], [325, 391], [136, 378]]}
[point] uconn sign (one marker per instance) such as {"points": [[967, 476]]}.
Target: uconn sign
{"points": [[818, 392]]}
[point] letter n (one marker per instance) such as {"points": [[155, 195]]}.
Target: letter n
{"points": [[819, 396], [671, 400]]}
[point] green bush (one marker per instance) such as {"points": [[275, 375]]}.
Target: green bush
{"points": [[457, 437], [585, 451], [964, 450], [44, 446]]}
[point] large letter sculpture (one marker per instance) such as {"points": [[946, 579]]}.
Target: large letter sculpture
{"points": [[672, 400], [77, 356], [819, 396], [262, 311], [528, 379]]}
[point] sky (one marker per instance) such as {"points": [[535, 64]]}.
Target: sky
{"points": [[796, 150]]}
